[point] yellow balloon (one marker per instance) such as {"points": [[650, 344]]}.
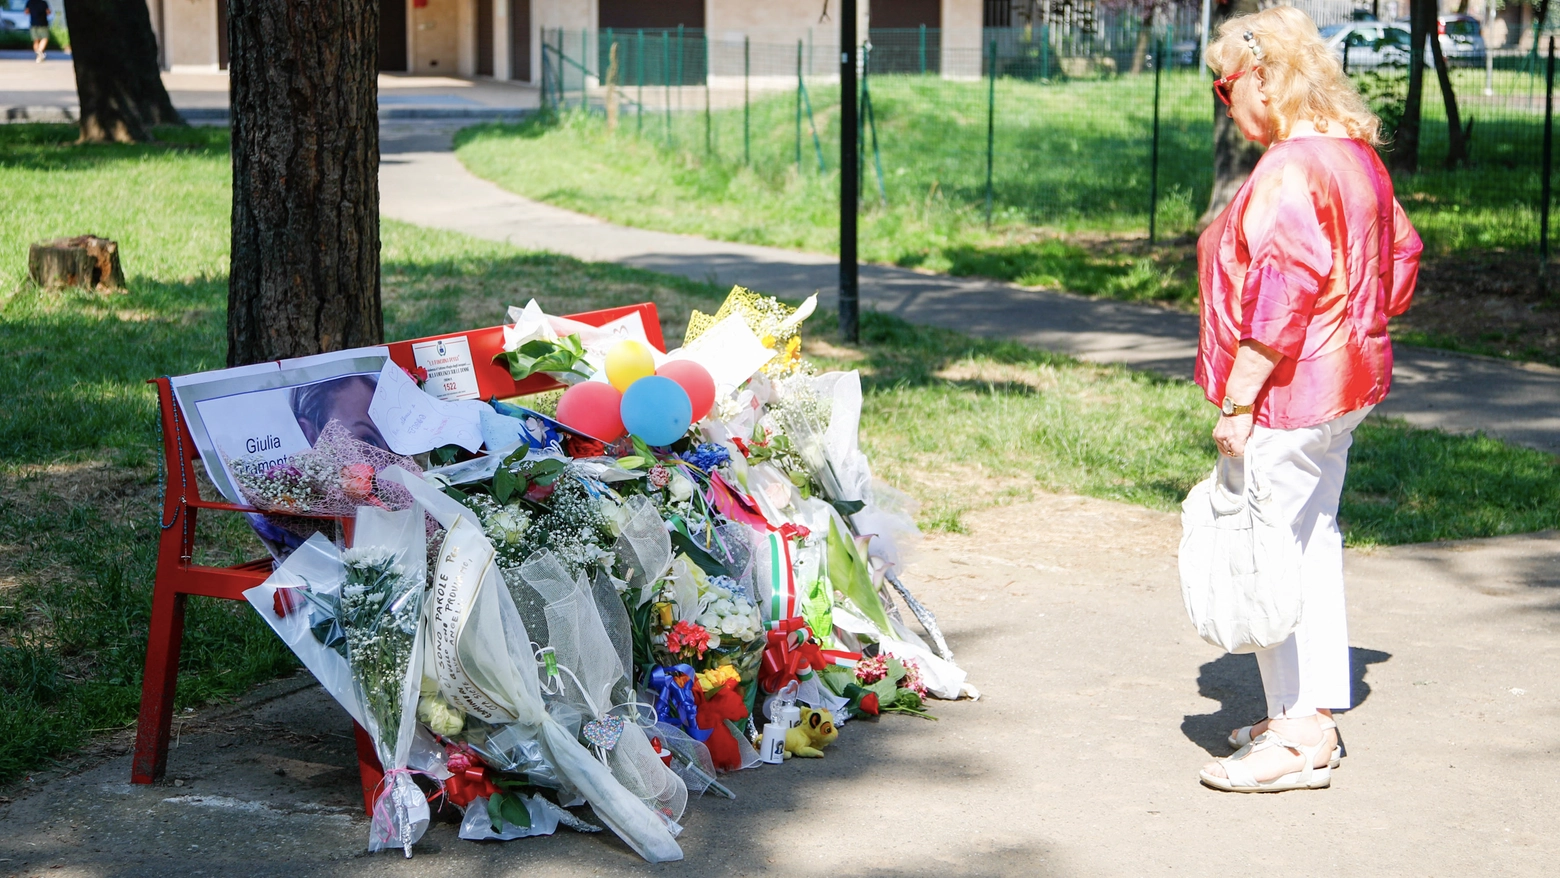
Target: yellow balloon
{"points": [[627, 362]]}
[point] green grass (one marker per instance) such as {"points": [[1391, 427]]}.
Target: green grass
{"points": [[959, 423], [1070, 176]]}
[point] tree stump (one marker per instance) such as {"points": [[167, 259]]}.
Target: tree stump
{"points": [[83, 261]]}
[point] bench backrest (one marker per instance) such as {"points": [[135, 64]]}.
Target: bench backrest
{"points": [[493, 379]]}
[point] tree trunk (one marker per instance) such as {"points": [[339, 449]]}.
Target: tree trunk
{"points": [[305, 252], [1233, 155], [118, 82], [85, 261], [1405, 141], [1457, 137], [1145, 36]]}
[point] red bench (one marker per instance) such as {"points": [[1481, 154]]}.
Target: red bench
{"points": [[178, 576]]}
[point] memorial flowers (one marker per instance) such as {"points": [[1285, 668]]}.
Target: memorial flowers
{"points": [[381, 607]]}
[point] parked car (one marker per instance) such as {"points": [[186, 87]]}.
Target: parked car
{"points": [[13, 15], [1366, 45], [1461, 38]]}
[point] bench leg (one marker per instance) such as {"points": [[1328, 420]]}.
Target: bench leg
{"points": [[370, 772], [158, 686]]}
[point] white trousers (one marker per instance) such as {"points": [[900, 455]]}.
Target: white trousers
{"points": [[1310, 669]]}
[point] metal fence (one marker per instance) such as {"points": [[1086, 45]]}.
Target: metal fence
{"points": [[1064, 128]]}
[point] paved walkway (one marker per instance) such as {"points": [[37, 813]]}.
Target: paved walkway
{"points": [[46, 92], [1081, 760], [422, 182]]}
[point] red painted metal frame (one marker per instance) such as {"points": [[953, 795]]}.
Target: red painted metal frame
{"points": [[179, 577]]}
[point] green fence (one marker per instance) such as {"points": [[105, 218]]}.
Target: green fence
{"points": [[1049, 129]]}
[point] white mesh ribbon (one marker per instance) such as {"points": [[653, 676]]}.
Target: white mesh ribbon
{"points": [[495, 650], [643, 546], [590, 674]]}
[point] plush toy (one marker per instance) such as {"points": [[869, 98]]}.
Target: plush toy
{"points": [[816, 732], [720, 704]]}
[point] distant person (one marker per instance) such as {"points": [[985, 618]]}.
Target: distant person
{"points": [[1297, 278], [339, 399], [38, 12]]}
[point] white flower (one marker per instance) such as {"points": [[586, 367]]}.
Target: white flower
{"points": [[709, 621], [441, 717], [731, 625], [714, 640], [724, 607], [680, 487]]}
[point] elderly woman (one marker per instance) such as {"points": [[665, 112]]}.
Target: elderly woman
{"points": [[1298, 277]]}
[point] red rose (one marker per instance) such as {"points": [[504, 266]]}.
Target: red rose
{"points": [[284, 601], [538, 493], [869, 704]]}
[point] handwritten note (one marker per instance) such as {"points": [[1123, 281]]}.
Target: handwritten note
{"points": [[413, 422]]}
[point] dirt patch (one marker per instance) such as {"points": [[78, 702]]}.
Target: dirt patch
{"points": [[1490, 303]]}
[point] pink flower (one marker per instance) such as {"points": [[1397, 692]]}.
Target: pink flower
{"points": [[357, 480], [458, 762], [659, 476]]}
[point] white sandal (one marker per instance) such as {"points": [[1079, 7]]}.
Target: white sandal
{"points": [[1240, 739], [1241, 780]]}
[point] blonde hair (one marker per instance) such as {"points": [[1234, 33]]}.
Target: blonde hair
{"points": [[1301, 77]]}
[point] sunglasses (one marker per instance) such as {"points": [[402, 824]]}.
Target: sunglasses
{"points": [[1221, 86]]}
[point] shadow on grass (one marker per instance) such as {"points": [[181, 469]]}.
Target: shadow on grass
{"points": [[54, 147]]}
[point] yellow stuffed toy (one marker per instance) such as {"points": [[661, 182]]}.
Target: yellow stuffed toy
{"points": [[816, 732]]}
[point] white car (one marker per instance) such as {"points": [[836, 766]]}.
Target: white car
{"points": [[1366, 45], [13, 15]]}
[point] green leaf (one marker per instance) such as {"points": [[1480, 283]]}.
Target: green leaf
{"points": [[849, 574], [643, 450], [848, 508], [495, 804], [566, 356], [515, 812], [503, 484], [682, 542]]}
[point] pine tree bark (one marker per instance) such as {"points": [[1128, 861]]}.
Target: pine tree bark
{"points": [[305, 249], [1233, 155], [118, 81]]}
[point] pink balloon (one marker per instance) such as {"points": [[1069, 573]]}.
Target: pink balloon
{"points": [[694, 379], [592, 407]]}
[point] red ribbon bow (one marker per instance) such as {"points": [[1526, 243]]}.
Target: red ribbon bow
{"points": [[789, 651], [463, 787]]}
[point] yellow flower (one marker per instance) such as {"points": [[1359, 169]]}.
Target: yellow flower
{"points": [[715, 678]]}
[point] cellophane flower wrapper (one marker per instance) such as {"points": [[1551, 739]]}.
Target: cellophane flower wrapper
{"points": [[330, 480], [382, 615], [335, 477], [496, 650], [592, 680]]}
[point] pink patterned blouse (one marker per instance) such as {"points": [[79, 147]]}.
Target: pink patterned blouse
{"points": [[1311, 257]]}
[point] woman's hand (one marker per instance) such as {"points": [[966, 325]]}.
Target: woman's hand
{"points": [[1231, 433], [1254, 363]]}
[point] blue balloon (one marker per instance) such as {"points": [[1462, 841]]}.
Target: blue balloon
{"points": [[657, 410]]}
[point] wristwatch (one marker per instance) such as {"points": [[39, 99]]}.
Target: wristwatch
{"points": [[1229, 409]]}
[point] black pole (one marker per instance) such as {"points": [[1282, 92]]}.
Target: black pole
{"points": [[1549, 143], [849, 178], [1153, 172]]}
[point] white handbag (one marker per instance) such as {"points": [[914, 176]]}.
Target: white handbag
{"points": [[1240, 560]]}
